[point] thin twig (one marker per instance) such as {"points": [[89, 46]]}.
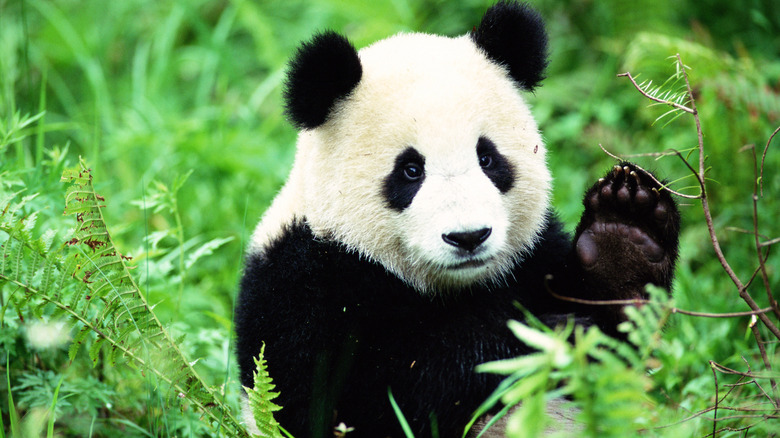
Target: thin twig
{"points": [[715, 411], [655, 99], [759, 253], [763, 158], [769, 242], [726, 370], [663, 186], [767, 364], [642, 301]]}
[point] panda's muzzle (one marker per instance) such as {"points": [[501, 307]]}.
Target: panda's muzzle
{"points": [[467, 240]]}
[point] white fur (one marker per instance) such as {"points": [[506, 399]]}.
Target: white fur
{"points": [[438, 95]]}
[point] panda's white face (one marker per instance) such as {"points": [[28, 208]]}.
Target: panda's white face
{"points": [[433, 166], [455, 227]]}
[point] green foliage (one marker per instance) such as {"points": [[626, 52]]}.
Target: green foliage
{"points": [[260, 399], [151, 91], [606, 379], [37, 389], [88, 283]]}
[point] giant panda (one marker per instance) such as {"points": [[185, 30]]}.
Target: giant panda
{"points": [[416, 221]]}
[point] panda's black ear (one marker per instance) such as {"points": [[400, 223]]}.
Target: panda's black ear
{"points": [[323, 70], [512, 34]]}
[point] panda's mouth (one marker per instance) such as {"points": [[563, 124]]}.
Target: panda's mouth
{"points": [[470, 264]]}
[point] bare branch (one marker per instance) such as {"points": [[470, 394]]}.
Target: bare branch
{"points": [[663, 186], [715, 411], [770, 242], [759, 253], [641, 301], [767, 364], [655, 99], [763, 158]]}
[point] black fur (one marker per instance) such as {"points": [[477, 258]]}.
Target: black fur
{"points": [[398, 189], [339, 330], [499, 170], [513, 35], [325, 69]]}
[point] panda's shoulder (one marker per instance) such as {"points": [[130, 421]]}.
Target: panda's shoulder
{"points": [[292, 254], [553, 238], [300, 265]]}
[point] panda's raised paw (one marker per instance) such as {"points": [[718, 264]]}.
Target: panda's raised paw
{"points": [[628, 234]]}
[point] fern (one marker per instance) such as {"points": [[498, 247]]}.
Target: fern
{"points": [[87, 281], [260, 397]]}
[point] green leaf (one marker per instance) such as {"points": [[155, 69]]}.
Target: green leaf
{"points": [[557, 347], [260, 399], [400, 415], [52, 411], [204, 250], [522, 364], [77, 341]]}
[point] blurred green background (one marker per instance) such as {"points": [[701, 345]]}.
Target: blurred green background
{"points": [[176, 106]]}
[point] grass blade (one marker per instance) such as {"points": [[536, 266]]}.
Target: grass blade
{"points": [[13, 416], [50, 428], [400, 415]]}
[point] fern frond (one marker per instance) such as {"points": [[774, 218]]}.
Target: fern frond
{"points": [[123, 321], [260, 397]]}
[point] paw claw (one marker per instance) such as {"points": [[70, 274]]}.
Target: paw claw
{"points": [[636, 178], [627, 236]]}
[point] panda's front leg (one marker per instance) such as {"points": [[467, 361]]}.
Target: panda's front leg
{"points": [[627, 237]]}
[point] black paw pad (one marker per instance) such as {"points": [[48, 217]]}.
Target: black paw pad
{"points": [[628, 233], [595, 237]]}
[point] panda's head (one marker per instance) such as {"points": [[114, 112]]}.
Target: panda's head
{"points": [[418, 152]]}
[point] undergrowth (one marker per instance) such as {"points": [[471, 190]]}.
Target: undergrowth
{"points": [[85, 283]]}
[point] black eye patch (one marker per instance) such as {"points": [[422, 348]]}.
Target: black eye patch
{"points": [[403, 182], [494, 165]]}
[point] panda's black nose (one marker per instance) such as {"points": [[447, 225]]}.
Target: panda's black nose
{"points": [[467, 240]]}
